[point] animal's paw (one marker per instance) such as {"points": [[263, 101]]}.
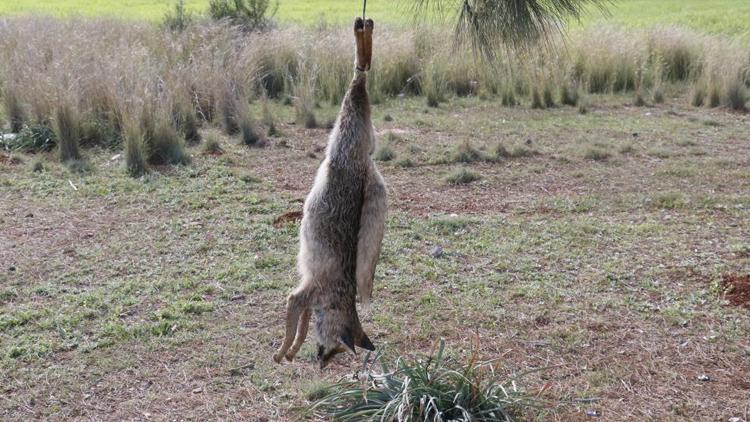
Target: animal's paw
{"points": [[277, 358]]}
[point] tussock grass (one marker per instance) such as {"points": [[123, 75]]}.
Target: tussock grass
{"points": [[206, 72], [384, 152], [462, 176], [135, 150], [67, 127], [212, 146], [596, 154], [437, 388], [466, 153], [14, 110]]}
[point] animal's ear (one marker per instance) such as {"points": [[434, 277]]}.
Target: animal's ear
{"points": [[365, 343], [348, 340]]}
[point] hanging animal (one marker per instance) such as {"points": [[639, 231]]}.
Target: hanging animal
{"points": [[342, 227]]}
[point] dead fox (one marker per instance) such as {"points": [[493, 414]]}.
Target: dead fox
{"points": [[342, 227]]}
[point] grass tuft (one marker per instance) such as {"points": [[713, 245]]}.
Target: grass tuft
{"points": [[384, 153], [212, 146], [67, 127], [437, 388], [462, 176], [136, 152]]}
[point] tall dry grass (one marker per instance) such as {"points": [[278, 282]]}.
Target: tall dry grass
{"points": [[110, 70]]}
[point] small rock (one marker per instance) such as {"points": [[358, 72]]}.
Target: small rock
{"points": [[436, 252], [635, 134], [197, 390], [29, 215], [704, 377], [11, 269], [115, 157], [528, 142], [735, 419], [592, 413]]}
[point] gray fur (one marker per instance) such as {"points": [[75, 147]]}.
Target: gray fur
{"points": [[340, 236]]}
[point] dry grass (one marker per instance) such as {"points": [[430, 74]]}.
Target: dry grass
{"points": [[210, 70]]}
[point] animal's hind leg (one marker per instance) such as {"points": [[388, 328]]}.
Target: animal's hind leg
{"points": [[359, 38], [304, 323], [295, 306], [369, 26]]}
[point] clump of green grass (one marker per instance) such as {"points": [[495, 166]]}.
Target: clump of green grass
{"points": [[67, 127], [166, 146], [33, 138], [250, 135], [384, 152], [212, 146], [626, 149], [568, 94], [186, 122], [405, 163], [714, 95], [698, 95], [518, 151], [596, 154], [466, 153], [462, 176], [37, 166], [668, 200], [434, 84], [435, 389], [536, 100], [230, 110], [508, 98], [14, 110], [735, 94], [136, 152]]}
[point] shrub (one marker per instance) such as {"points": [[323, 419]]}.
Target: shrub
{"points": [[177, 19], [462, 177], [67, 127], [250, 15], [34, 138], [433, 389]]}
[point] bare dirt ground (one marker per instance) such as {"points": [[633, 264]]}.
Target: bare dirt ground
{"points": [[608, 256]]}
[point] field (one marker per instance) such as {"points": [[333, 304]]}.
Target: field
{"points": [[579, 215], [596, 256], [717, 16]]}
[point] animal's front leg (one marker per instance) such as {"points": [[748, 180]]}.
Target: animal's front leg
{"points": [[371, 230], [304, 323], [296, 304]]}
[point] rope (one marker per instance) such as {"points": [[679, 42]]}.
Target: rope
{"points": [[364, 7]]}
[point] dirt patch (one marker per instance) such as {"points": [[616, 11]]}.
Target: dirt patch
{"points": [[737, 289], [287, 217]]}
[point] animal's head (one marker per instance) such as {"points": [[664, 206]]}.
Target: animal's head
{"points": [[337, 333]]}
